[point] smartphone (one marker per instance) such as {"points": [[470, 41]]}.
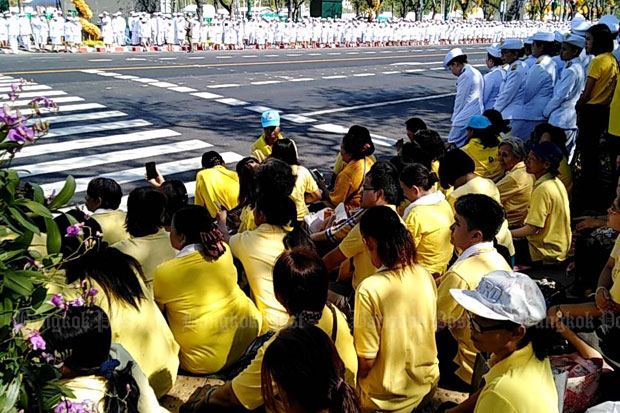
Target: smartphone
{"points": [[151, 172], [318, 176]]}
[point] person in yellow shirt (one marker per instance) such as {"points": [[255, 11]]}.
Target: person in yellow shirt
{"points": [[150, 242], [103, 197], [270, 121], [515, 187], [211, 318], [216, 186], [505, 313], [546, 132], [428, 218], [477, 220], [412, 127], [247, 170], [398, 367], [300, 283], [482, 147], [547, 225]]}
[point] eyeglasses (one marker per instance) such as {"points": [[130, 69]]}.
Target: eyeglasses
{"points": [[480, 329]]}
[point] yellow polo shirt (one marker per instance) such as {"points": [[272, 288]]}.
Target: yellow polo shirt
{"points": [[398, 331], [339, 164], [430, 228], [258, 251], [515, 190], [550, 211], [614, 112], [465, 275], [304, 183], [566, 176], [217, 185], [615, 272], [348, 181], [247, 220], [213, 321], [112, 225], [519, 383], [485, 159], [247, 385], [604, 69], [260, 150]]}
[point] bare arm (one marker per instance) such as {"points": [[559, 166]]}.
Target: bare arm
{"points": [[365, 365], [524, 231]]}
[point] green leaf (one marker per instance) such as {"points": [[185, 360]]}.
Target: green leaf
{"points": [[9, 395], [23, 221], [5, 256], [64, 195], [38, 296], [21, 242], [39, 196], [20, 284], [54, 239], [38, 209]]}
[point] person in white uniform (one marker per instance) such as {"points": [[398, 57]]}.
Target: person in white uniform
{"points": [[510, 96], [469, 90], [25, 31], [580, 26], [106, 31], [494, 78], [118, 27], [529, 59], [57, 29]]}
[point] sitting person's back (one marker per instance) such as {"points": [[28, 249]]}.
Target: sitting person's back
{"points": [[216, 186], [103, 197]]}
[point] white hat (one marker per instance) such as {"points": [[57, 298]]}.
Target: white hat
{"points": [[575, 40], [494, 50], [451, 55], [558, 36], [610, 21], [512, 44], [505, 295], [528, 40], [579, 26], [543, 37]]}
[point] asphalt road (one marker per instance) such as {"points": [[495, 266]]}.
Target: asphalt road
{"points": [[118, 111]]}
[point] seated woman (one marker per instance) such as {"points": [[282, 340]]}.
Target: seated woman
{"points": [[149, 243], [482, 147], [300, 283], [547, 225], [103, 197], [504, 313], [247, 169], [216, 186], [176, 198], [412, 126], [102, 375], [515, 188], [213, 321], [428, 218], [398, 367], [549, 133], [306, 189]]}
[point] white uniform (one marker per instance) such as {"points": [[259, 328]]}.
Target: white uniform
{"points": [[467, 103], [106, 30], [25, 31], [510, 97], [118, 27], [57, 27], [492, 82]]}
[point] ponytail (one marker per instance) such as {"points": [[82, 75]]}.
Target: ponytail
{"points": [[122, 392], [281, 211], [343, 397], [417, 174], [199, 227], [212, 242]]}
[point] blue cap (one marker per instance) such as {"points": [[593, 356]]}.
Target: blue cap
{"points": [[478, 122], [549, 152], [270, 118]]}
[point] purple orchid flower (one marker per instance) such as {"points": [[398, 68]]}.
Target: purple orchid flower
{"points": [[21, 134], [74, 230], [36, 341]]}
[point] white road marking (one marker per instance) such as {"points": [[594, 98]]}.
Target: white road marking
{"points": [[26, 88], [334, 77], [415, 63], [65, 108], [99, 60], [108, 74], [46, 93], [298, 118], [266, 82], [195, 58], [80, 117], [163, 84], [232, 102], [315, 54], [126, 77], [182, 89], [293, 54], [206, 95], [223, 57], [135, 59], [301, 79], [225, 85], [134, 123], [64, 99], [437, 68], [250, 56], [414, 70], [353, 52], [258, 109], [363, 74], [377, 139], [391, 73], [145, 80], [167, 58]]}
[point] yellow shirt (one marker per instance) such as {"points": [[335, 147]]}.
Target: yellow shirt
{"points": [[213, 321], [519, 383], [614, 291], [604, 69], [149, 251], [397, 329], [350, 180], [217, 185], [247, 220], [466, 275], [304, 183], [484, 186], [566, 176], [430, 227], [614, 112], [258, 251], [435, 168], [515, 190], [339, 164], [260, 150], [112, 225], [550, 211], [485, 159], [247, 385]]}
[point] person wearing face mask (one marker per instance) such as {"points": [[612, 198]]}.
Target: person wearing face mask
{"points": [[510, 95], [270, 121]]}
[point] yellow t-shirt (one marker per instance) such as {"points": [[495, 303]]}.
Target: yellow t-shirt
{"points": [[350, 180], [604, 69], [484, 186], [550, 211], [435, 168], [211, 318], [515, 190], [247, 220], [304, 183], [339, 164], [217, 185], [485, 159], [398, 331], [258, 251], [430, 228], [112, 225], [614, 291], [518, 383], [465, 275], [614, 112], [260, 150], [566, 176], [247, 385], [149, 251]]}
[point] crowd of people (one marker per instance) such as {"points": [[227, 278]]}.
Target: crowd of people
{"points": [[33, 32]]}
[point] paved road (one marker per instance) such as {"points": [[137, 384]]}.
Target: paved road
{"points": [[118, 111]]}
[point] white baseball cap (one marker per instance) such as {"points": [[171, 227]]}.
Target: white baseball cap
{"points": [[505, 295], [451, 55]]}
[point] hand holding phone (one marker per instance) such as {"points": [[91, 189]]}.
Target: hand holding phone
{"points": [[151, 171]]}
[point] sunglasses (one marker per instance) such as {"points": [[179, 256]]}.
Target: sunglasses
{"points": [[480, 329]]}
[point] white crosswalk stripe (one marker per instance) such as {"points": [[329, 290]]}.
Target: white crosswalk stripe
{"points": [[45, 93], [26, 88], [134, 123], [64, 108], [82, 117], [63, 99]]}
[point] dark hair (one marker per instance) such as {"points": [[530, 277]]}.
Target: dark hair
{"points": [[83, 337], [458, 59], [548, 48], [305, 364], [488, 137], [603, 41], [211, 159], [176, 198], [394, 242], [412, 152], [497, 121], [541, 336], [358, 142], [285, 150], [74, 245], [431, 143], [497, 61], [281, 211], [455, 164], [247, 180], [383, 175], [145, 209], [300, 280], [481, 212], [108, 190], [558, 136], [199, 227], [418, 175], [275, 178], [414, 125]]}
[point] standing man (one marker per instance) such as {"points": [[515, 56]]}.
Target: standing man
{"points": [[494, 78], [118, 27], [510, 97], [25, 30]]}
